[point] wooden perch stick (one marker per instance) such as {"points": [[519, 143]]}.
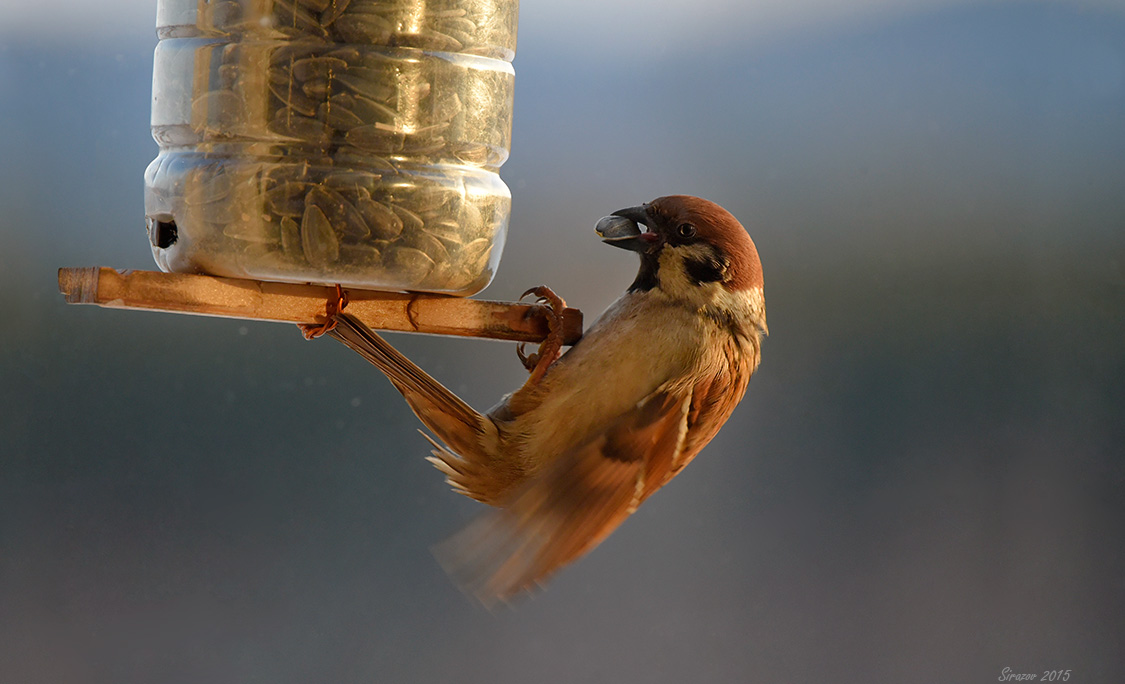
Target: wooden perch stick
{"points": [[258, 300]]}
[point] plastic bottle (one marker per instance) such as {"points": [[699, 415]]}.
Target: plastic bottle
{"points": [[333, 141]]}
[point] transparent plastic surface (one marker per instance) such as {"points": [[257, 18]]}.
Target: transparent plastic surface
{"points": [[333, 141]]}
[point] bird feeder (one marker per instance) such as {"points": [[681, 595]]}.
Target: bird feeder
{"points": [[326, 144]]}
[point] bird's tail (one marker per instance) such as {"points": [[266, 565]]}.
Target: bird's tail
{"points": [[453, 421]]}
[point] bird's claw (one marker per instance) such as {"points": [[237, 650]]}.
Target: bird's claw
{"points": [[529, 361], [551, 347], [333, 306]]}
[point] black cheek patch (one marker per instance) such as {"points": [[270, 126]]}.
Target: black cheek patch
{"points": [[705, 270]]}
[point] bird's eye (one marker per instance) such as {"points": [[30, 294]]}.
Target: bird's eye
{"points": [[686, 230]]}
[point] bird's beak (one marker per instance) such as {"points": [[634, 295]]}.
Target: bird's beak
{"points": [[620, 229]]}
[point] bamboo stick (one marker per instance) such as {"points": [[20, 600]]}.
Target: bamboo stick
{"points": [[294, 303]]}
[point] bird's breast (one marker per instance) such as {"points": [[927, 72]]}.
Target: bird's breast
{"points": [[636, 347]]}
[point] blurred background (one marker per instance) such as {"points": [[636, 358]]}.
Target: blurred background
{"points": [[924, 483]]}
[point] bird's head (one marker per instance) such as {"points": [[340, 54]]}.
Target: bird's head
{"points": [[693, 250]]}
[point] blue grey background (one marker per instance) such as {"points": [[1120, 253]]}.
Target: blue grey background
{"points": [[924, 483]]}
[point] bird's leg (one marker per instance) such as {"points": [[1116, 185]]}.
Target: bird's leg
{"points": [[551, 347]]}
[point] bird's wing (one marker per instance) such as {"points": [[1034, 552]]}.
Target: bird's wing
{"points": [[713, 399], [452, 420], [572, 506]]}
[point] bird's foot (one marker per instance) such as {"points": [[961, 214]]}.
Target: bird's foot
{"points": [[333, 306], [550, 348]]}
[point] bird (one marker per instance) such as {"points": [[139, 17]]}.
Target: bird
{"points": [[595, 431]]}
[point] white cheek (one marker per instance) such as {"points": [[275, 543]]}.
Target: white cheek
{"points": [[672, 275], [675, 283]]}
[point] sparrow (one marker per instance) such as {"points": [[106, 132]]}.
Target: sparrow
{"points": [[596, 431]]}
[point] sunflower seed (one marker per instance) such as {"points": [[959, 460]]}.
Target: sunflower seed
{"points": [[411, 222], [429, 199], [371, 87], [316, 5], [351, 156], [286, 199], [316, 89], [384, 223], [290, 124], [291, 15], [470, 219], [375, 138], [296, 50], [420, 146], [446, 230], [338, 117], [427, 39], [429, 244], [293, 97], [383, 8], [475, 255], [228, 76], [220, 15], [291, 238], [318, 241], [333, 11], [456, 22], [477, 154], [252, 230], [465, 38], [216, 110], [310, 68], [368, 110], [357, 27], [360, 255], [205, 185], [446, 107], [339, 211], [412, 264], [353, 182], [347, 53]]}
